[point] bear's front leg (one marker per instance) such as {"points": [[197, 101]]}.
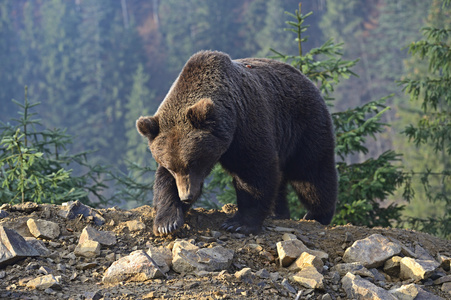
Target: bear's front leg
{"points": [[166, 201], [254, 199]]}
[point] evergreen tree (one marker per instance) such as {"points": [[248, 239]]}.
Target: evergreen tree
{"points": [[431, 131]]}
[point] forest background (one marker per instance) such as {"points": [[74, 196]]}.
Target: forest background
{"points": [[96, 66]]}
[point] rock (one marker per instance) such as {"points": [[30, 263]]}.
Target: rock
{"points": [[138, 266], [43, 229], [288, 286], [135, 225], [13, 247], [45, 270], [97, 295], [245, 275], [3, 214], [348, 237], [39, 246], [77, 208], [309, 277], [182, 244], [105, 238], [44, 282], [446, 287], [358, 288], [162, 256], [88, 249], [372, 251], [355, 268], [263, 274], [305, 260], [416, 269], [392, 266], [411, 292], [26, 207], [289, 236], [289, 251], [206, 259], [421, 253], [445, 262], [443, 279]]}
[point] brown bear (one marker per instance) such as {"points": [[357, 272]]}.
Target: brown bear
{"points": [[263, 120]]}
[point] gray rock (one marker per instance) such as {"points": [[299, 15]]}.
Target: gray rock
{"points": [[43, 229], [286, 284], [3, 214], [77, 208], [355, 268], [411, 292], [206, 259], [38, 245], [13, 247], [392, 266], [443, 279], [105, 238], [245, 275], [421, 253], [372, 251], [263, 274], [359, 288], [135, 225], [309, 277], [416, 269], [162, 256], [306, 259], [44, 282], [88, 249], [446, 287], [290, 250], [445, 261], [138, 266]]}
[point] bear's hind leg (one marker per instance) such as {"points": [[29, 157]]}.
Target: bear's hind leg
{"points": [[318, 195], [169, 209]]}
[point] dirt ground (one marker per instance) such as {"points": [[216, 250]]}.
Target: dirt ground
{"points": [[81, 277]]}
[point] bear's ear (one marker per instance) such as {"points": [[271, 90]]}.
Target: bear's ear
{"points": [[201, 114], [148, 127]]}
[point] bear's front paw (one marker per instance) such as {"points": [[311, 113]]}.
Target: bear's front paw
{"points": [[236, 224], [168, 221]]}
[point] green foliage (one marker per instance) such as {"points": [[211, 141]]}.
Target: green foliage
{"points": [[432, 130], [362, 186], [33, 166]]}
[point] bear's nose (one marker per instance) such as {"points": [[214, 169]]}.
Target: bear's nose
{"points": [[187, 198]]}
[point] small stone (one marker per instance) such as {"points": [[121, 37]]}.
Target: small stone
{"points": [[262, 273], [13, 247], [208, 259], [43, 229], [416, 269], [445, 262], [358, 288], [289, 251], [105, 238], [44, 282], [412, 292], [88, 249], [245, 275], [162, 256], [289, 236], [392, 266], [76, 208], [355, 268], [446, 287], [286, 284], [138, 266], [443, 279], [3, 214], [309, 277], [283, 229], [372, 251], [421, 253], [305, 260], [135, 225], [348, 237], [45, 271], [274, 276]]}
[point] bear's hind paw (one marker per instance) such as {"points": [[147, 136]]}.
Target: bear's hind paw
{"points": [[232, 225]]}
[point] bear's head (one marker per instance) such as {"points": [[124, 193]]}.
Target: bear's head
{"points": [[187, 144]]}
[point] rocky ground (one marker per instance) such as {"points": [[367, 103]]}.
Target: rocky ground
{"points": [[75, 252]]}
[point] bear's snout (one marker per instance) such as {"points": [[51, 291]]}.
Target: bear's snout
{"points": [[188, 187]]}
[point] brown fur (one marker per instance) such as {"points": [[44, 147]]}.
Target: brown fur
{"points": [[263, 120]]}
